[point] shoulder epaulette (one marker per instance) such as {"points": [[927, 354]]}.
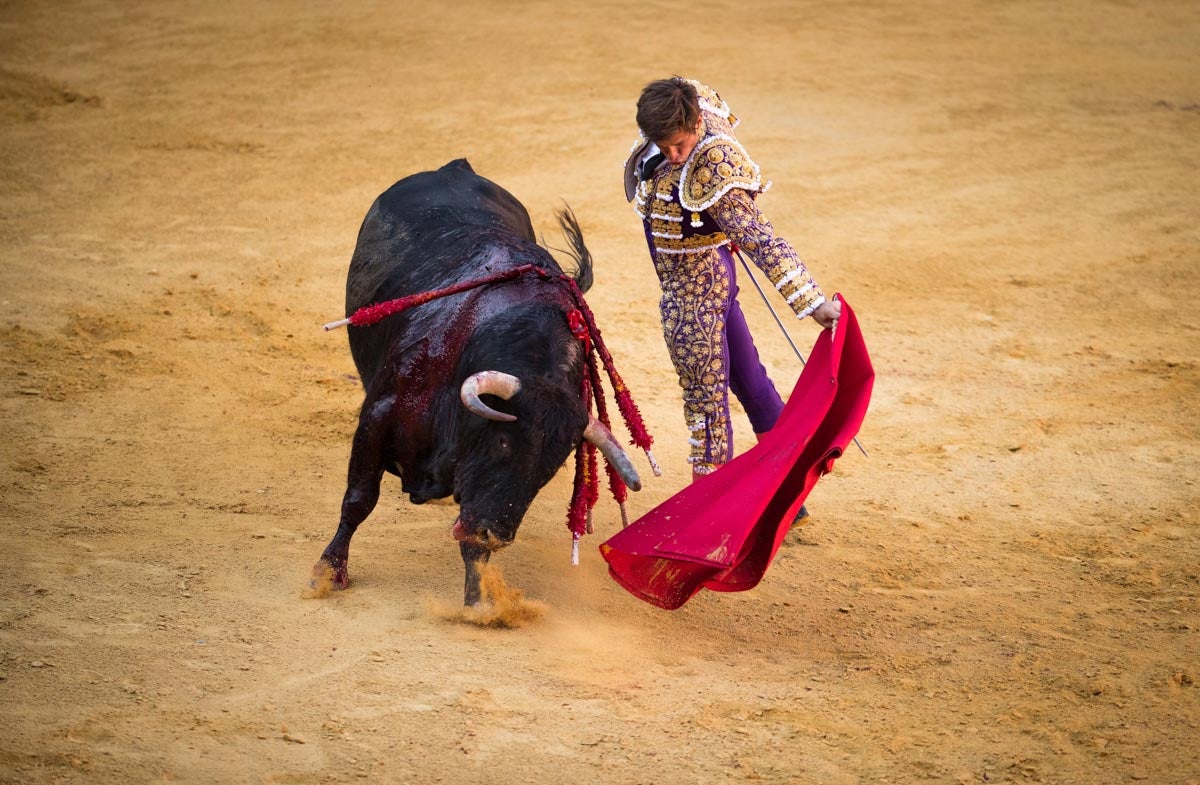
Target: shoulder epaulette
{"points": [[717, 166]]}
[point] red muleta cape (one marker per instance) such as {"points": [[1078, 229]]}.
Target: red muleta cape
{"points": [[722, 531]]}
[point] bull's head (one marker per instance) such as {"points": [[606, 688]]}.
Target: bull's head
{"points": [[509, 457]]}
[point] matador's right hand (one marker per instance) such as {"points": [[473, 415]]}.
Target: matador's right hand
{"points": [[828, 313]]}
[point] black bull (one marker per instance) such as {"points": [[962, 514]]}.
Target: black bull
{"points": [[475, 395]]}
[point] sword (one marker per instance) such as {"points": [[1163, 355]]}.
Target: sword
{"points": [[783, 329]]}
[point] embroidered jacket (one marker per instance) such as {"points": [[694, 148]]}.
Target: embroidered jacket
{"points": [[708, 203]]}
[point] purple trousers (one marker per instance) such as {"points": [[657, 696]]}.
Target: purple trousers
{"points": [[706, 403], [747, 377]]}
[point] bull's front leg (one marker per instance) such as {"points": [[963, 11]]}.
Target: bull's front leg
{"points": [[362, 490], [474, 556]]}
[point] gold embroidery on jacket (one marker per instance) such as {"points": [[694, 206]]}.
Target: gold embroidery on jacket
{"points": [[715, 167]]}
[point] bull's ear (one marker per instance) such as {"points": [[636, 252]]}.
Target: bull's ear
{"points": [[502, 385]]}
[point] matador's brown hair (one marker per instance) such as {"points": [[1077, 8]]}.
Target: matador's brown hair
{"points": [[667, 106]]}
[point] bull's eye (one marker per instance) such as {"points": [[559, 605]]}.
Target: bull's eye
{"points": [[503, 445]]}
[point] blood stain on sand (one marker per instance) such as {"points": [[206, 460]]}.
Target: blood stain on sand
{"points": [[502, 606]]}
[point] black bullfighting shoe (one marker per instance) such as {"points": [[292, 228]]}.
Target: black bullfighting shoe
{"points": [[802, 517]]}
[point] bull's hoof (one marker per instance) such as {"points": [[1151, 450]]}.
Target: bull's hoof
{"points": [[327, 578]]}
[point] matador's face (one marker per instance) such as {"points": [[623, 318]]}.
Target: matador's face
{"points": [[679, 145]]}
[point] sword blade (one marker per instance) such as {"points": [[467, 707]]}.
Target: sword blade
{"points": [[782, 329]]}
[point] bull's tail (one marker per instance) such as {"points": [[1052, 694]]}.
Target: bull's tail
{"points": [[577, 251]]}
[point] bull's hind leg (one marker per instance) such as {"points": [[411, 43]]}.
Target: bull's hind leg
{"points": [[474, 556], [362, 491]]}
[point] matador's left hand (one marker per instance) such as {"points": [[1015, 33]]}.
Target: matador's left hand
{"points": [[828, 313]]}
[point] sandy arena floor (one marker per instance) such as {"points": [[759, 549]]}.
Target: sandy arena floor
{"points": [[1007, 590]]}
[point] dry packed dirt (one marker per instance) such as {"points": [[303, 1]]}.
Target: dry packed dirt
{"points": [[1006, 590]]}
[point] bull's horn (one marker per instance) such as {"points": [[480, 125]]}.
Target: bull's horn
{"points": [[600, 436], [502, 385]]}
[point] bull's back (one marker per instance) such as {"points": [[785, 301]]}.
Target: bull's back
{"points": [[455, 193], [418, 236], [415, 220]]}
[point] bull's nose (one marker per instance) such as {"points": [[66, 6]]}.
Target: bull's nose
{"points": [[482, 536], [493, 541]]}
